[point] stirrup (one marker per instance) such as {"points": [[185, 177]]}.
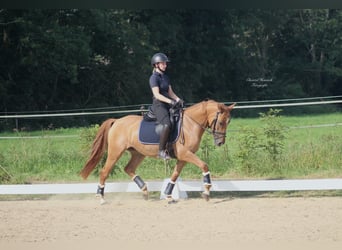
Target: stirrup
{"points": [[163, 154]]}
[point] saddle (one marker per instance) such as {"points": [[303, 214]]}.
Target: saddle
{"points": [[149, 130]]}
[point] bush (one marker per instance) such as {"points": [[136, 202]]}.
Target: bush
{"points": [[274, 134], [249, 147], [259, 146]]}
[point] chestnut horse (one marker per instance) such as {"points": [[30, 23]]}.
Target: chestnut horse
{"points": [[118, 135]]}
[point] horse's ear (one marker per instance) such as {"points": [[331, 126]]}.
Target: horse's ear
{"points": [[223, 107], [230, 107]]}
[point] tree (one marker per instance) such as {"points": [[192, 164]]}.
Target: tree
{"points": [[80, 58], [311, 45]]}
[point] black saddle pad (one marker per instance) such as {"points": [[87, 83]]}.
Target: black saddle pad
{"points": [[148, 135]]}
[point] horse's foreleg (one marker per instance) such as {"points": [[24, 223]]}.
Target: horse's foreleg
{"points": [[130, 169], [176, 172], [192, 158], [207, 185]]}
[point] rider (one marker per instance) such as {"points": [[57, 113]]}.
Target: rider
{"points": [[163, 99]]}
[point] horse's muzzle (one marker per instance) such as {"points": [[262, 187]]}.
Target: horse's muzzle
{"points": [[219, 138], [219, 142]]}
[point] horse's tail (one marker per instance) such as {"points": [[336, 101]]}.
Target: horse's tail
{"points": [[98, 148]]}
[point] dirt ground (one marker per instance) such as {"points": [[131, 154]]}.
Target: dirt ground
{"points": [[128, 221]]}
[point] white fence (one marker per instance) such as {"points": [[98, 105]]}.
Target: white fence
{"points": [[180, 189]]}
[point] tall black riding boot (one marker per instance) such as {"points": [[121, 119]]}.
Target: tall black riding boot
{"points": [[164, 137]]}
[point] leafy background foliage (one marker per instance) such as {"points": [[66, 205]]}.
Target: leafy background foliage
{"points": [[86, 58]]}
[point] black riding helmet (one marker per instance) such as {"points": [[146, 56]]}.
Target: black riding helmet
{"points": [[159, 57]]}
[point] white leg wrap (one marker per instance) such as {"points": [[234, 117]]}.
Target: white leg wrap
{"points": [[206, 179]]}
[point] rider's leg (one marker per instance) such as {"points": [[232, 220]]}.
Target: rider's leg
{"points": [[164, 137], [163, 118]]}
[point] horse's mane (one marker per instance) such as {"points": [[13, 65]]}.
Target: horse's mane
{"points": [[196, 105]]}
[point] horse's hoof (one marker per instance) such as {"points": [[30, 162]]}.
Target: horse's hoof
{"points": [[144, 192], [103, 201], [172, 201], [205, 196], [145, 196]]}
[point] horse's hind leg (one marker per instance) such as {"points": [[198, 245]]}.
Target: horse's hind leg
{"points": [[130, 169], [112, 158]]}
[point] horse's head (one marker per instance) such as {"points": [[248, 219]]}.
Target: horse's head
{"points": [[218, 120]]}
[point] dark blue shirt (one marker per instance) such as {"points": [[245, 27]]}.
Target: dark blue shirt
{"points": [[162, 81]]}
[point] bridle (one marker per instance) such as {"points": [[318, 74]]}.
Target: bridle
{"points": [[211, 128]]}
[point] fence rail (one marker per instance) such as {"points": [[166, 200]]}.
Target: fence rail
{"points": [[134, 111], [287, 104], [180, 189]]}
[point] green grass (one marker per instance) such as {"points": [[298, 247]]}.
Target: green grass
{"points": [[306, 153], [40, 159]]}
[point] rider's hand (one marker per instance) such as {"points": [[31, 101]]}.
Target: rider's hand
{"points": [[180, 103], [173, 103]]}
